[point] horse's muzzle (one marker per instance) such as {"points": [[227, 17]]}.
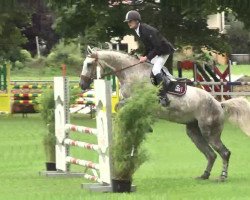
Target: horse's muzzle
{"points": [[85, 82]]}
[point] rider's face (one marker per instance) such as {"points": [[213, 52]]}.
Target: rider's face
{"points": [[133, 24]]}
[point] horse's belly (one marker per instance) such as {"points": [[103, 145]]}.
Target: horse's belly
{"points": [[177, 116]]}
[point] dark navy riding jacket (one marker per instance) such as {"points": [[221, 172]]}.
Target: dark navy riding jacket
{"points": [[154, 42]]}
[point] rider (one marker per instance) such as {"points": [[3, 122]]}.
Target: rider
{"points": [[157, 51]]}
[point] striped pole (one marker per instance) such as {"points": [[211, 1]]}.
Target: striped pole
{"points": [[231, 93], [81, 129], [238, 83], [31, 86], [92, 178], [81, 144], [87, 95], [38, 81], [90, 102], [38, 86], [84, 163], [25, 101], [27, 95], [220, 83]]}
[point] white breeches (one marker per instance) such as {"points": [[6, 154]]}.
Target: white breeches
{"points": [[158, 62]]}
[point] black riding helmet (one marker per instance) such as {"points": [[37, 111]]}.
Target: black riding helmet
{"points": [[132, 15]]}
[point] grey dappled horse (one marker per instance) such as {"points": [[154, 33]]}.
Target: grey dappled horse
{"points": [[202, 114]]}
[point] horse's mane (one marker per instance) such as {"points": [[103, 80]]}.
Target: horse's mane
{"points": [[116, 51], [125, 54]]}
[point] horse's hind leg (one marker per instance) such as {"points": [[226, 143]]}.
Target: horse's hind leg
{"points": [[201, 143], [218, 146], [212, 133]]}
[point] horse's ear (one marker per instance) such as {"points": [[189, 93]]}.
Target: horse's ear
{"points": [[89, 50]]}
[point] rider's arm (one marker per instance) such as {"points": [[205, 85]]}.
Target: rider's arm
{"points": [[155, 40]]}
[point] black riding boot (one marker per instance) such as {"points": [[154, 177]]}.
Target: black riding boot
{"points": [[159, 79]]}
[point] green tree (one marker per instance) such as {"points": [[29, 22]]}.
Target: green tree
{"points": [[11, 38], [239, 38], [183, 22], [42, 19], [20, 22], [93, 21], [241, 9]]}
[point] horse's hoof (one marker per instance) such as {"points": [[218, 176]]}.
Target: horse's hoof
{"points": [[221, 179], [204, 176], [223, 176]]}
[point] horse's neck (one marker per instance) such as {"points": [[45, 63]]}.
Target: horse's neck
{"points": [[115, 59], [118, 61]]}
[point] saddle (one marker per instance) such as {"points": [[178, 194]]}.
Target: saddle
{"points": [[174, 86]]}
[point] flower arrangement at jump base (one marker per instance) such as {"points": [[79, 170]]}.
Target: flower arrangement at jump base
{"points": [[130, 126]]}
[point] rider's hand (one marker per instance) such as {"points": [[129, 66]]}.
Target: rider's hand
{"points": [[143, 59]]}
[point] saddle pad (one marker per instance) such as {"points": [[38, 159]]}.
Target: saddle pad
{"points": [[177, 88]]}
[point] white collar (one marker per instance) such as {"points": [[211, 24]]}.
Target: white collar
{"points": [[137, 30]]}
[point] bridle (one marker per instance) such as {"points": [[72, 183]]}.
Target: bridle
{"points": [[113, 72]]}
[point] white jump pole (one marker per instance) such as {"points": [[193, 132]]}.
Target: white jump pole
{"points": [[63, 127], [61, 97]]}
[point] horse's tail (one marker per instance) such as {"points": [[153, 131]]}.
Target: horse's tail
{"points": [[237, 110]]}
